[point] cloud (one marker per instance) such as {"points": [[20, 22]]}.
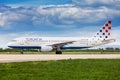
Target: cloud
{"points": [[8, 18], [70, 15], [53, 15], [93, 2], [2, 22], [5, 38], [115, 33]]}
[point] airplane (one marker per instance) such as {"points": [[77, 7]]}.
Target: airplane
{"points": [[46, 44]]}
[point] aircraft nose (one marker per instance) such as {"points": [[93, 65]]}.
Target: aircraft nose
{"points": [[9, 43]]}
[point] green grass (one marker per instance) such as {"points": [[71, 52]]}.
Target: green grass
{"points": [[67, 52], [93, 69], [64, 52]]}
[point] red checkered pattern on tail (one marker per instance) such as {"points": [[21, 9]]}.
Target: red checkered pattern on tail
{"points": [[104, 32], [106, 29]]}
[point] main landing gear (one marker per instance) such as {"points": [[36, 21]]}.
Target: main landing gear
{"points": [[58, 52]]}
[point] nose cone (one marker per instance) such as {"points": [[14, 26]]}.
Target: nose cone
{"points": [[9, 44]]}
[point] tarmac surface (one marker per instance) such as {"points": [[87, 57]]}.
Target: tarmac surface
{"points": [[6, 58]]}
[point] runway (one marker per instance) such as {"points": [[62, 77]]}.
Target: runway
{"points": [[5, 58]]}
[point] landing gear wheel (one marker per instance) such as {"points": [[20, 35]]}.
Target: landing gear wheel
{"points": [[21, 52], [58, 52]]}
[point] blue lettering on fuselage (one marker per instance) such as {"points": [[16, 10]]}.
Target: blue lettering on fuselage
{"points": [[33, 39]]}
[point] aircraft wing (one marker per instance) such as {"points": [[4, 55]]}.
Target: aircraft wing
{"points": [[62, 44]]}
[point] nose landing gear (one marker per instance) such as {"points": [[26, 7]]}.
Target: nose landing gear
{"points": [[21, 51]]}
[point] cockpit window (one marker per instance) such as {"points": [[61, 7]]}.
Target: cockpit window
{"points": [[14, 40]]}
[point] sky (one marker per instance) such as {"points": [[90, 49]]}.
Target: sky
{"points": [[74, 18]]}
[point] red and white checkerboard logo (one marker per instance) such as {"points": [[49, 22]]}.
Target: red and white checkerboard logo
{"points": [[104, 32]]}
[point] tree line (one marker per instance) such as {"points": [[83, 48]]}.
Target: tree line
{"points": [[36, 50]]}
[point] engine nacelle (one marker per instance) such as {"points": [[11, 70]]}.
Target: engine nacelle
{"points": [[46, 48]]}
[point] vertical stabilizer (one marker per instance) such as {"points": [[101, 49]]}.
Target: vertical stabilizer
{"points": [[104, 32]]}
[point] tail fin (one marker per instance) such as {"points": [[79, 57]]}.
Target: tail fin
{"points": [[104, 32]]}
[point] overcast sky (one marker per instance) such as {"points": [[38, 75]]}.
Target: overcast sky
{"points": [[80, 18]]}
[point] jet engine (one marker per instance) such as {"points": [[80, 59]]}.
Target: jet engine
{"points": [[46, 48]]}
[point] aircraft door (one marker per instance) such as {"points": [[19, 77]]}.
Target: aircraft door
{"points": [[21, 42]]}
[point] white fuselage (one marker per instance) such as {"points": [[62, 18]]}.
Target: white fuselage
{"points": [[36, 42]]}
